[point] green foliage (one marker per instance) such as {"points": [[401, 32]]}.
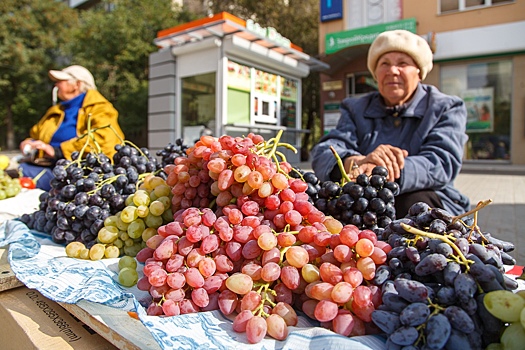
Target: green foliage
{"points": [[115, 46], [32, 35], [112, 40]]}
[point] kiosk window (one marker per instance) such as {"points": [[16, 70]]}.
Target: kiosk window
{"points": [[198, 106]]}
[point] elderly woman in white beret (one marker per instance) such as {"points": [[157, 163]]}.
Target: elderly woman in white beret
{"points": [[412, 129]]}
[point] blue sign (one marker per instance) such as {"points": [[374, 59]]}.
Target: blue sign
{"points": [[331, 9]]}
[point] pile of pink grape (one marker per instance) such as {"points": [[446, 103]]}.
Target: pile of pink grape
{"points": [[263, 252]]}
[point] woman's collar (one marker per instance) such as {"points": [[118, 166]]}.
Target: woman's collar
{"points": [[378, 109]]}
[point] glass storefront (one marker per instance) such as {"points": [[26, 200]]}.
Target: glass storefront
{"points": [[486, 89], [198, 106]]}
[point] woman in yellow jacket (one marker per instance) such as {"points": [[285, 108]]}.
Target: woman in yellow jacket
{"points": [[63, 129]]}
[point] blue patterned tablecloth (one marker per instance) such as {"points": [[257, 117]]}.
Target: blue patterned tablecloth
{"points": [[41, 264]]}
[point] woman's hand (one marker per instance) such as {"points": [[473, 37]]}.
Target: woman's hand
{"points": [[392, 158], [39, 145]]}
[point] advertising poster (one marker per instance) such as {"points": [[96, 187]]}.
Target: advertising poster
{"points": [[238, 76], [480, 109], [265, 83], [288, 89]]}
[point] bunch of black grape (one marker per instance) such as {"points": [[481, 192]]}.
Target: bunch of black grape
{"points": [[367, 202], [172, 151], [84, 192], [435, 279]]}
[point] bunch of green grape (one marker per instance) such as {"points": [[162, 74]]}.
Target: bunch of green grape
{"points": [[127, 275], [9, 187], [146, 210], [95, 252], [509, 308], [127, 231]]}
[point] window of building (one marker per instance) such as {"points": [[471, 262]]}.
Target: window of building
{"points": [[462, 5], [486, 89], [360, 84]]}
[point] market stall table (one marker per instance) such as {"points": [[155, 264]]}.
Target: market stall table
{"points": [[89, 291]]}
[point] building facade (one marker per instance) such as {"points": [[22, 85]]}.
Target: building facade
{"points": [[479, 55]]}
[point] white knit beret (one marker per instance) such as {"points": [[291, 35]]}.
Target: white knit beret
{"points": [[401, 41]]}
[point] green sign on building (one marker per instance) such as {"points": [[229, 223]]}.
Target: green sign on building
{"points": [[341, 40]]}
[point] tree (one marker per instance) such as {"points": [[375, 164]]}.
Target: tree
{"points": [[32, 34], [298, 21], [114, 41]]}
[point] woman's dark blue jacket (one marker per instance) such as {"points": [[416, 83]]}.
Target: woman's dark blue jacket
{"points": [[431, 128]]}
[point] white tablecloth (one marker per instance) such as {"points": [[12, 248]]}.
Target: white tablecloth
{"points": [[40, 264]]}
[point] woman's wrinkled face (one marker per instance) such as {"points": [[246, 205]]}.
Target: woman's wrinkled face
{"points": [[397, 77], [67, 89]]}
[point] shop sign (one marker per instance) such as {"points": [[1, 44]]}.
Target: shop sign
{"points": [[331, 9], [480, 109], [332, 106], [268, 32], [341, 40], [330, 120], [332, 85]]}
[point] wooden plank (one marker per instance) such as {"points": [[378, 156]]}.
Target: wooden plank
{"points": [[8, 279], [116, 326]]}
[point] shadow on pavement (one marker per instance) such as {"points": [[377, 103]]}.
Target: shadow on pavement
{"points": [[506, 222]]}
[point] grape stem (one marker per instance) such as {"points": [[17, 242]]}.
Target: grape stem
{"points": [[475, 227], [275, 142], [38, 176], [283, 251], [340, 165], [263, 288], [298, 173], [481, 204], [89, 135], [437, 308], [135, 146], [431, 235], [272, 144]]}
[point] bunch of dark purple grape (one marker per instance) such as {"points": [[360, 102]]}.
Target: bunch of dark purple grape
{"points": [[367, 202], [435, 279], [84, 192], [172, 151]]}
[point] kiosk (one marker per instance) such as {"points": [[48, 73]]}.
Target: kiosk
{"points": [[223, 75]]}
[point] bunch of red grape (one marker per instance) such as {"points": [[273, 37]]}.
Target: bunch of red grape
{"points": [[264, 249]]}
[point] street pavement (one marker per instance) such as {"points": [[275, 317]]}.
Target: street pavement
{"points": [[504, 218]]}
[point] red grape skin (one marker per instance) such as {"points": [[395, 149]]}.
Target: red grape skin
{"points": [[256, 329]]}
